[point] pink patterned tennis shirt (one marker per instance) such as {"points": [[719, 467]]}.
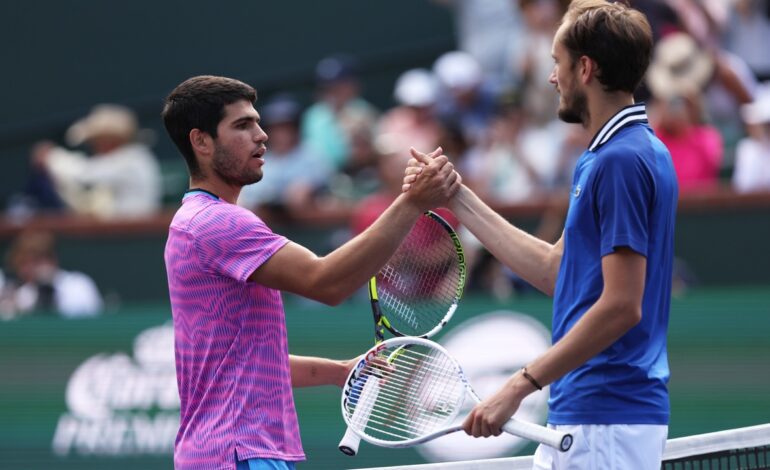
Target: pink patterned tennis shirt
{"points": [[232, 355]]}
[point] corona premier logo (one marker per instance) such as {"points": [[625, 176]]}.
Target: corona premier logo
{"points": [[120, 405]]}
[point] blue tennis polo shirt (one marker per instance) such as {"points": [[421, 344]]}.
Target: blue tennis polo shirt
{"points": [[624, 194]]}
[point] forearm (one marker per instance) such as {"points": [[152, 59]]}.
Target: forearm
{"points": [[615, 312], [600, 327], [313, 371], [334, 277], [353, 264], [533, 259]]}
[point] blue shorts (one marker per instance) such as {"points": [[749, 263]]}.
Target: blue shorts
{"points": [[264, 464]]}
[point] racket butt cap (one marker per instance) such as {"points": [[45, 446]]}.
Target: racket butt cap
{"points": [[349, 443], [566, 443], [347, 451]]}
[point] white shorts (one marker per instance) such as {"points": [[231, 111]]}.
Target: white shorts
{"points": [[606, 447]]}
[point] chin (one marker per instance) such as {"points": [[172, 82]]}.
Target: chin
{"points": [[251, 179], [569, 116]]}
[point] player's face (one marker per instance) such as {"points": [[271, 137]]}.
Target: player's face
{"points": [[239, 146], [573, 106]]}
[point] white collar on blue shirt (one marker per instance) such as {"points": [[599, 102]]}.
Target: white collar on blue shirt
{"points": [[624, 117]]}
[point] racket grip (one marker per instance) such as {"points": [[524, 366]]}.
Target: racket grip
{"points": [[349, 443], [534, 432], [368, 395]]}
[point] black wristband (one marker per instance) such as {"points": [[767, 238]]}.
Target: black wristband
{"points": [[530, 378]]}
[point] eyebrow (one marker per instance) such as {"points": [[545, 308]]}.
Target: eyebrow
{"points": [[245, 119]]}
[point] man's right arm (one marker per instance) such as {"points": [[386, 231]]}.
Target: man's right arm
{"points": [[332, 278], [535, 260]]}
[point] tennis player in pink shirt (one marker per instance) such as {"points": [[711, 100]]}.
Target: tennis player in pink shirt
{"points": [[226, 269]]}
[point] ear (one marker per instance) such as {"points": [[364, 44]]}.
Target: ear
{"points": [[201, 142], [587, 69]]}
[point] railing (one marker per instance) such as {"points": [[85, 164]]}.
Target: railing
{"points": [[716, 201]]}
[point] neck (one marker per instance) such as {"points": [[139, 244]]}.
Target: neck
{"points": [[602, 106], [224, 191]]}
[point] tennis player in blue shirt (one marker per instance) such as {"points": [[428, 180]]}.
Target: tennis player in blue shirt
{"points": [[610, 272]]}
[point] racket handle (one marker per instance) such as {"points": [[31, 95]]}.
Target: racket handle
{"points": [[349, 443], [368, 395], [534, 432]]}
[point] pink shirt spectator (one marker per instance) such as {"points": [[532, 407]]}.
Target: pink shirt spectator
{"points": [[697, 155], [232, 358]]}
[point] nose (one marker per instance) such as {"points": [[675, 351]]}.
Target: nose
{"points": [[552, 77], [260, 135]]}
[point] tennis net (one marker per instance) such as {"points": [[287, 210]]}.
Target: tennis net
{"points": [[743, 448]]}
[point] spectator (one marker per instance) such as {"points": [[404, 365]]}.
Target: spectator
{"points": [[413, 122], [678, 74], [329, 125], [748, 27], [532, 57], [483, 29], [120, 179], [696, 147], [733, 86], [467, 101], [503, 171], [359, 176], [663, 18], [752, 156], [37, 283], [296, 173], [39, 193]]}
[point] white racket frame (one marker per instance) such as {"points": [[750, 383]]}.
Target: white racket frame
{"points": [[350, 441], [524, 429]]}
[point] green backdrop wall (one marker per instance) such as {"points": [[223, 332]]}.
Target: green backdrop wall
{"points": [[718, 352]]}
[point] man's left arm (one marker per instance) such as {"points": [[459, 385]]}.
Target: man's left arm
{"points": [[309, 371], [618, 309]]}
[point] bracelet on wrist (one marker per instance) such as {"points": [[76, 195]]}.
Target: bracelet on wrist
{"points": [[531, 379]]}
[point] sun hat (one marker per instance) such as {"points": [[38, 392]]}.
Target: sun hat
{"points": [[679, 67], [104, 120]]}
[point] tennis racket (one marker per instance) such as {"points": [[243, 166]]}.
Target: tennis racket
{"points": [[417, 292], [407, 391]]}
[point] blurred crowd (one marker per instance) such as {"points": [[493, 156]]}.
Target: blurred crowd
{"points": [[488, 104], [34, 282]]}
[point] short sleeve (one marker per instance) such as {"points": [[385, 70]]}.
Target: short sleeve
{"points": [[232, 241], [623, 193]]}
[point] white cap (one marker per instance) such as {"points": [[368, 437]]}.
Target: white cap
{"points": [[458, 70], [416, 87]]}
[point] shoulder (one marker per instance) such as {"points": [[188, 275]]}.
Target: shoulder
{"points": [[628, 160], [221, 215], [629, 147], [200, 215]]}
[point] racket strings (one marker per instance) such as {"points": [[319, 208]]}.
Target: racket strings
{"points": [[421, 393], [422, 280], [381, 417]]}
